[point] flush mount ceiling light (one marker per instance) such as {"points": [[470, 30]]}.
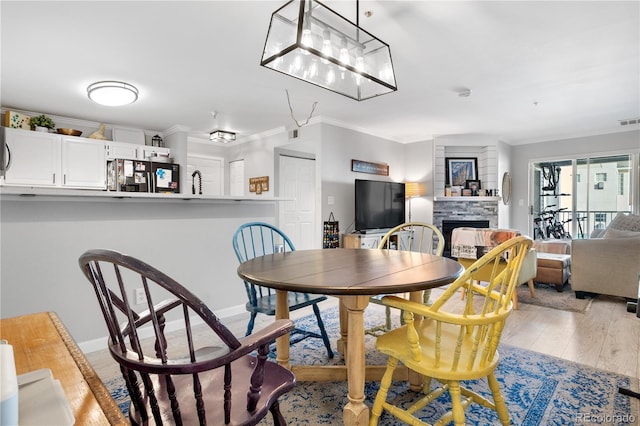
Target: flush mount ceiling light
{"points": [[311, 42], [222, 136], [629, 121], [112, 93]]}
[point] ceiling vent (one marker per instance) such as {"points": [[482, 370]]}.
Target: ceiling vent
{"points": [[628, 121]]}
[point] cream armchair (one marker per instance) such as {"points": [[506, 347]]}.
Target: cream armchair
{"points": [[608, 265]]}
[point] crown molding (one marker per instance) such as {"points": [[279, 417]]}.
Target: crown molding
{"points": [[77, 122], [177, 128], [344, 125]]}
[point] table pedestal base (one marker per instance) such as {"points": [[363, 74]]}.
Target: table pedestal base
{"points": [[356, 411], [355, 414], [355, 372]]}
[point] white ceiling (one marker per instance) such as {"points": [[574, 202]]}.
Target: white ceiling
{"points": [[578, 61]]}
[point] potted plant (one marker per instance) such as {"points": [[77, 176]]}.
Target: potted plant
{"points": [[42, 123]]}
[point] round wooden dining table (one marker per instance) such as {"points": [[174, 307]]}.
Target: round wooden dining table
{"points": [[353, 275]]}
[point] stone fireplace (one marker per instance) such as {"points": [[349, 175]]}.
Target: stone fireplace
{"points": [[480, 213]]}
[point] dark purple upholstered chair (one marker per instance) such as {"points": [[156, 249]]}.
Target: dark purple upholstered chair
{"points": [[181, 380]]}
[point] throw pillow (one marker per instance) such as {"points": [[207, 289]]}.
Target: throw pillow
{"points": [[625, 222], [619, 233]]}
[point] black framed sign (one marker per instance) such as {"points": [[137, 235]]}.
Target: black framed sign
{"points": [[367, 167], [460, 170]]}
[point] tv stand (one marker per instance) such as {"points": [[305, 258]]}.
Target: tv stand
{"points": [[374, 231], [369, 240]]}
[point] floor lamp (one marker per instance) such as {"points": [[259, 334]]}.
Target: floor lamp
{"points": [[412, 190]]}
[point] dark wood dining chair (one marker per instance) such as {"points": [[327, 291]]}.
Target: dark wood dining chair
{"points": [[255, 239], [175, 380]]}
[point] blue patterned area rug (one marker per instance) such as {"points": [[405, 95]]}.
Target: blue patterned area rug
{"points": [[538, 389]]}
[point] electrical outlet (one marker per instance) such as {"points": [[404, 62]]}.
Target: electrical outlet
{"points": [[139, 296]]}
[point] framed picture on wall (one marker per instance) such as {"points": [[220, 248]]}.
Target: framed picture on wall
{"points": [[460, 170]]}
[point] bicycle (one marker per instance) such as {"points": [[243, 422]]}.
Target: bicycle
{"points": [[580, 230], [538, 229], [541, 223], [558, 231], [546, 225]]}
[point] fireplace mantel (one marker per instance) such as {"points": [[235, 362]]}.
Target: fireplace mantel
{"points": [[466, 198]]}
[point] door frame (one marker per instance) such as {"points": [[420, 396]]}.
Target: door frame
{"points": [[573, 157], [281, 152]]}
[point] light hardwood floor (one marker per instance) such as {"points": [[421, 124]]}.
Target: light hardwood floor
{"points": [[605, 337]]}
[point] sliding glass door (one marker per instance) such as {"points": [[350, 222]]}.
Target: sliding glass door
{"points": [[603, 189], [572, 197], [552, 202]]}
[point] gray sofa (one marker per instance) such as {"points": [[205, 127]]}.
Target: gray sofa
{"points": [[610, 264]]}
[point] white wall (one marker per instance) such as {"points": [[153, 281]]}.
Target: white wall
{"points": [[188, 240], [339, 146], [258, 161], [419, 168], [504, 165]]}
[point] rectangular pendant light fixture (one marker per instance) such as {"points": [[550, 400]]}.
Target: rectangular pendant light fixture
{"points": [[309, 41], [222, 136]]}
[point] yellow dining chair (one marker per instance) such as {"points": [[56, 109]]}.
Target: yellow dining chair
{"points": [[453, 340], [410, 236]]}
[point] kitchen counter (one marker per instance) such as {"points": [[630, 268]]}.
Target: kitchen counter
{"points": [[187, 236], [16, 192]]}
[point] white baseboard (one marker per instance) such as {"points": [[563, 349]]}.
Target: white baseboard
{"points": [[100, 343]]}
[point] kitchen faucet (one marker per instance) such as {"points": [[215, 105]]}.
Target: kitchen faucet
{"points": [[193, 182]]}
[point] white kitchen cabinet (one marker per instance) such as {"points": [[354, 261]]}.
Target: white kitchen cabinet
{"points": [[31, 158], [83, 163], [133, 151], [126, 151], [146, 152], [51, 160]]}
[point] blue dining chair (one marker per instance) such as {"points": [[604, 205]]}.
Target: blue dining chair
{"points": [[255, 239]]}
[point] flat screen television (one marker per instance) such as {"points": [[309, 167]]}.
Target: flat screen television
{"points": [[379, 205]]}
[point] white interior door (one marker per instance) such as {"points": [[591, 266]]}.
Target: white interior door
{"points": [[297, 217], [236, 178]]}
